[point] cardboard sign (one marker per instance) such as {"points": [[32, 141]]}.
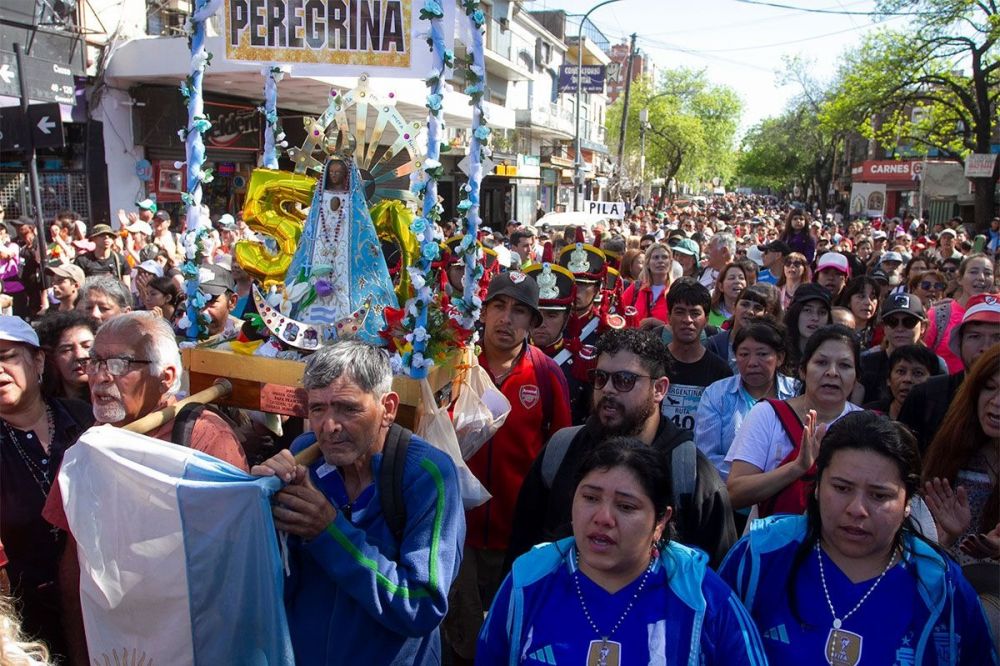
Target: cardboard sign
{"points": [[381, 37], [612, 209]]}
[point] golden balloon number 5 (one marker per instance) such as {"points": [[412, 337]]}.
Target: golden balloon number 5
{"points": [[275, 206]]}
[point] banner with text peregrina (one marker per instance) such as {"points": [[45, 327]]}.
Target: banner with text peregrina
{"points": [[384, 38]]}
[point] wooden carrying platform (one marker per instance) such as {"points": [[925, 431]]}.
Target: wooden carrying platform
{"points": [[275, 385]]}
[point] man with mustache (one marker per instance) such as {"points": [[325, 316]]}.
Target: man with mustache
{"points": [[133, 370], [539, 400], [630, 382]]}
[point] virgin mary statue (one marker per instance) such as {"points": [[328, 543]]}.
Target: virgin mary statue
{"points": [[340, 257]]}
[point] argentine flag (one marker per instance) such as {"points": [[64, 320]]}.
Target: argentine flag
{"points": [[178, 558]]}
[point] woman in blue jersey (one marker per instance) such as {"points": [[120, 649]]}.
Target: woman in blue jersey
{"points": [[851, 582], [615, 592]]}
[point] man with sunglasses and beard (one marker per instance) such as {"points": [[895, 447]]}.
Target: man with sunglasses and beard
{"points": [[630, 383]]}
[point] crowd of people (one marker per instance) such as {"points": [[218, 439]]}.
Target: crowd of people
{"points": [[740, 432]]}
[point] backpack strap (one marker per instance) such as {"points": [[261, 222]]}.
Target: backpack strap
{"points": [[544, 384], [794, 429], [555, 451], [683, 473], [942, 313], [390, 479], [184, 422]]}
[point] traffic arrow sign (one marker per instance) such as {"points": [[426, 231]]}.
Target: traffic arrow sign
{"points": [[45, 126], [6, 73]]}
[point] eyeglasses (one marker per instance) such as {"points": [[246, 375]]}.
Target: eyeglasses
{"points": [[949, 269], [906, 322], [116, 366], [795, 263], [927, 286], [622, 380]]}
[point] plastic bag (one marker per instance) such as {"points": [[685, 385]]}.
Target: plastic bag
{"points": [[436, 428], [479, 411]]}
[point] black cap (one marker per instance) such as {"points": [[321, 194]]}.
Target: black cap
{"points": [[776, 246], [906, 303], [221, 282], [518, 286], [811, 291]]}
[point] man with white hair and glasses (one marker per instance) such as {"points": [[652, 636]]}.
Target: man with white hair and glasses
{"points": [[134, 369]]}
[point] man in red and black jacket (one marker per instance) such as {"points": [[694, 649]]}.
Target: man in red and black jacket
{"points": [[539, 399]]}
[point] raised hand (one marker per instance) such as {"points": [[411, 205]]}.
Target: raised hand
{"points": [[812, 437], [949, 508]]}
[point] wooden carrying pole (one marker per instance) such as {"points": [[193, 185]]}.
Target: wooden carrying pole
{"points": [[220, 389]]}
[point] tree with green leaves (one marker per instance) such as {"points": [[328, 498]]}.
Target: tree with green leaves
{"points": [[933, 86], [690, 132]]}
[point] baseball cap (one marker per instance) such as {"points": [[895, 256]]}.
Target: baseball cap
{"points": [[948, 232], [811, 291], [686, 246], [878, 234], [147, 204], [221, 282], [162, 215], [756, 255], [15, 329], [100, 230], [980, 308], [139, 227], [227, 222], [834, 260], [517, 286], [151, 266], [907, 303], [776, 246], [892, 256], [71, 271]]}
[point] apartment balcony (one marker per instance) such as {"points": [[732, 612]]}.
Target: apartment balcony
{"points": [[499, 53], [549, 121], [593, 136]]}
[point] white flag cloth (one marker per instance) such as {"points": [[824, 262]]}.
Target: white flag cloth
{"points": [[178, 558]]}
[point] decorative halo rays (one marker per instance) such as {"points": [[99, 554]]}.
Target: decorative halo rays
{"points": [[369, 127]]}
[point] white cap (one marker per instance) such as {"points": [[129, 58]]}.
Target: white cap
{"points": [[892, 256], [15, 329], [755, 255], [151, 266], [139, 227], [834, 260]]}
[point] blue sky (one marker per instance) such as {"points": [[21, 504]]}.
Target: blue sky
{"points": [[736, 43]]}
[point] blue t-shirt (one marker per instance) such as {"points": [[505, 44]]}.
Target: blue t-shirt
{"points": [[890, 621], [655, 630]]}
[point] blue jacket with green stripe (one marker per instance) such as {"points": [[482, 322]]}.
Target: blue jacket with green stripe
{"points": [[357, 596]]}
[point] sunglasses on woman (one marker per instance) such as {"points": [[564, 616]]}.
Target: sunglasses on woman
{"points": [[622, 380], [795, 263], [927, 286], [905, 322]]}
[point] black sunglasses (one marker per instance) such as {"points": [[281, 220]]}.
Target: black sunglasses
{"points": [[906, 322], [932, 285], [622, 380]]}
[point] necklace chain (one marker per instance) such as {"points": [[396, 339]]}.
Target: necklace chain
{"points": [[41, 476], [838, 622], [583, 604]]}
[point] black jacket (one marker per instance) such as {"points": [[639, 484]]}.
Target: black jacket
{"points": [[926, 406], [543, 514]]}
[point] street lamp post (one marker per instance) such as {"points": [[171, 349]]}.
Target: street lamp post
{"points": [[643, 123], [578, 157]]}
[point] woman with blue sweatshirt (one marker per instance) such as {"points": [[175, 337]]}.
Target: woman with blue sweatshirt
{"points": [[852, 582], [614, 593]]}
